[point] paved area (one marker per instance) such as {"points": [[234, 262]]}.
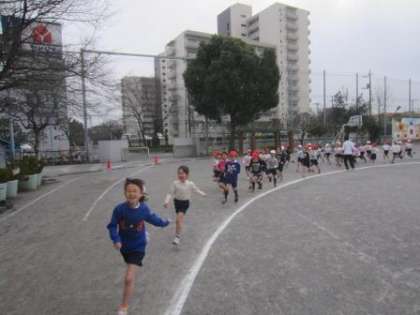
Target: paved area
{"points": [[311, 248]]}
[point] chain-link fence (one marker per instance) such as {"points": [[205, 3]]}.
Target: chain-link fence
{"points": [[384, 93]]}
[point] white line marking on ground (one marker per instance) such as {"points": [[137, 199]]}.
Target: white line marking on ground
{"points": [[106, 191], [178, 301], [37, 199]]}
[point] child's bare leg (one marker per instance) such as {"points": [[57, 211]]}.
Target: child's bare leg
{"points": [[129, 279], [179, 223]]}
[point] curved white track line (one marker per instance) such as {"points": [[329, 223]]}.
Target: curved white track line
{"points": [[31, 203], [181, 294]]}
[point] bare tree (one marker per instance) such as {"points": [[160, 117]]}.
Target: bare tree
{"points": [[139, 99], [36, 107]]}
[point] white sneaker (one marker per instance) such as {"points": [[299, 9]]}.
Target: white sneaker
{"points": [[122, 311], [176, 240]]}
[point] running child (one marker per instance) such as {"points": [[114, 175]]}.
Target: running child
{"points": [[306, 162], [221, 169], [386, 147], [339, 153], [230, 176], [181, 191], [282, 157], [328, 152], [313, 156], [300, 156], [362, 153], [409, 148], [272, 167], [396, 151], [127, 231], [368, 149], [246, 161], [256, 171], [216, 172], [374, 153]]}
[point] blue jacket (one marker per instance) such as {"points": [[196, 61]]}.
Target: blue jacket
{"points": [[127, 226], [232, 171]]}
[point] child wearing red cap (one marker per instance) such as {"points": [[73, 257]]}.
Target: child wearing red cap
{"points": [[230, 176], [256, 171]]}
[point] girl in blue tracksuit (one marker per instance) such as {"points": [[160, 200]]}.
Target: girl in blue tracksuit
{"points": [[127, 231], [230, 176]]}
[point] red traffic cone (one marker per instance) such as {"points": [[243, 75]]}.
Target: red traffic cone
{"points": [[109, 165], [156, 160]]}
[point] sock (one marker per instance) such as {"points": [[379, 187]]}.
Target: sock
{"points": [[236, 194], [226, 194], [253, 185]]}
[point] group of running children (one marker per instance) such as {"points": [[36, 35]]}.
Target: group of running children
{"points": [[226, 168], [127, 226], [370, 151]]}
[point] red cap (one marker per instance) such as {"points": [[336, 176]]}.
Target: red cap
{"points": [[233, 154]]}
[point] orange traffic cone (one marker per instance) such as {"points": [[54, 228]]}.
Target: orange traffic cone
{"points": [[109, 165], [156, 160]]}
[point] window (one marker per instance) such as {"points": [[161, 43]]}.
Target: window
{"points": [[243, 25], [244, 16], [228, 27]]}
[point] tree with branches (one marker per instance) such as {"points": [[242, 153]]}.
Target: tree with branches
{"points": [[229, 78]]}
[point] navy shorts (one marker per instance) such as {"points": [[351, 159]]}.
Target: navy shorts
{"points": [[234, 184], [181, 206], [133, 258], [272, 171]]}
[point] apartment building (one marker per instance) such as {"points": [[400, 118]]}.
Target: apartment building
{"points": [[178, 116], [141, 106], [287, 28]]}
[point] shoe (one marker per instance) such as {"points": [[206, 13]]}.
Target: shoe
{"points": [[176, 240], [122, 311]]}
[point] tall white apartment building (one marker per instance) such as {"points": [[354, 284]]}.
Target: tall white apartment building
{"points": [[178, 117], [287, 28]]}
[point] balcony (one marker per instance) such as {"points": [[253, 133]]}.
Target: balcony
{"points": [[173, 98], [172, 85], [292, 57], [293, 47], [171, 63], [171, 75], [292, 36], [253, 29], [192, 44], [170, 51], [291, 15], [291, 68], [291, 26], [293, 98], [293, 88]]}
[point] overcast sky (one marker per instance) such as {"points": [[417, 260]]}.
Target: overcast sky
{"points": [[347, 36]]}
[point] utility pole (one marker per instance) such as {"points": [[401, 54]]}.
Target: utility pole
{"points": [[84, 102], [410, 101], [12, 138], [370, 93], [385, 104], [324, 75], [357, 91]]}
